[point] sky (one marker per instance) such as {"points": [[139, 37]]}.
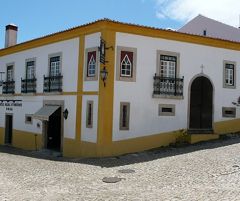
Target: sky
{"points": [[36, 18]]}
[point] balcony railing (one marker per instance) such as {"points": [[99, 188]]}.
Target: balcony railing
{"points": [[28, 85], [8, 87], [52, 83], [167, 86]]}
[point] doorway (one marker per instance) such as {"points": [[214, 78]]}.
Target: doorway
{"points": [[53, 131], [8, 128], [201, 105]]}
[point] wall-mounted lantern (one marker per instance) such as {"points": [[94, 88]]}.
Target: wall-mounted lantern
{"points": [[1, 80], [65, 113], [104, 74]]}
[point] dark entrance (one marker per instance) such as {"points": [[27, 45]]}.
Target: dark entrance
{"points": [[201, 106], [53, 135], [8, 129]]}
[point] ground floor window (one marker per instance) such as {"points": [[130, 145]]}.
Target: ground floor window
{"points": [[89, 114], [124, 115]]}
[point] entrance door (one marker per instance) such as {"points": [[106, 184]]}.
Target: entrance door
{"points": [[54, 131], [201, 104], [8, 129]]}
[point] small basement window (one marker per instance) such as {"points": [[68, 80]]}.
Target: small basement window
{"points": [[229, 112], [28, 119], [166, 110]]}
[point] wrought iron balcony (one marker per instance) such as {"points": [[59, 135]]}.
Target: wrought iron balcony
{"points": [[167, 86], [8, 87], [53, 83], [28, 85]]}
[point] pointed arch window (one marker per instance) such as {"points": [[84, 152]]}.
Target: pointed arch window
{"points": [[126, 65], [91, 64]]}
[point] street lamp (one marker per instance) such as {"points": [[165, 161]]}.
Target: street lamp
{"points": [[104, 74]]}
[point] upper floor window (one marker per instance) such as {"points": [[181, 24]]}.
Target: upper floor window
{"points": [[126, 64], [229, 74], [54, 81], [30, 69], [9, 84], [166, 82], [10, 73], [168, 65], [55, 66], [91, 64]]}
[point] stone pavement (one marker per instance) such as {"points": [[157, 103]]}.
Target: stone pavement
{"points": [[205, 171]]}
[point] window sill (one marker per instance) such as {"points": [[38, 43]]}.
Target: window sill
{"points": [[229, 87], [168, 97]]}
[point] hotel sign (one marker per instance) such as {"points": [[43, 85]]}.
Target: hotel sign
{"points": [[11, 103]]}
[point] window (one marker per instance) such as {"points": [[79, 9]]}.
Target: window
{"points": [[124, 115], [166, 110], [168, 66], [229, 112], [28, 119], [89, 114], [126, 64], [91, 64], [55, 66], [166, 82], [30, 69], [10, 73], [229, 74], [204, 32]]}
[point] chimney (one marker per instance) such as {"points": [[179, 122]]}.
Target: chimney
{"points": [[11, 35]]}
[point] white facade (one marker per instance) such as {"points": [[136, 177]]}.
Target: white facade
{"points": [[31, 103], [212, 28], [144, 119]]}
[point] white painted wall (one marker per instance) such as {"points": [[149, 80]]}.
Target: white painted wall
{"points": [[30, 105], [70, 52], [89, 134], [91, 41], [144, 119], [213, 28]]}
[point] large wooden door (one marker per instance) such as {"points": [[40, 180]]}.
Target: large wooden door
{"points": [[201, 104]]}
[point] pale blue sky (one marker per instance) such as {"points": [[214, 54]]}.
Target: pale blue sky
{"points": [[36, 18]]}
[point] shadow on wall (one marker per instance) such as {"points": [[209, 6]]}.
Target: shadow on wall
{"points": [[128, 159]]}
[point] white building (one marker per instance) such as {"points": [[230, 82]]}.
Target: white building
{"points": [[160, 85], [205, 26]]}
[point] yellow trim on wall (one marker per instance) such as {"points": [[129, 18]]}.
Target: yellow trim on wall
{"points": [[105, 101], [120, 27], [172, 35], [26, 140], [94, 93], [202, 137], [53, 38], [67, 93], [75, 148], [230, 126], [80, 87]]}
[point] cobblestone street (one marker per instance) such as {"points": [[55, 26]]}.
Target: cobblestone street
{"points": [[205, 171]]}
